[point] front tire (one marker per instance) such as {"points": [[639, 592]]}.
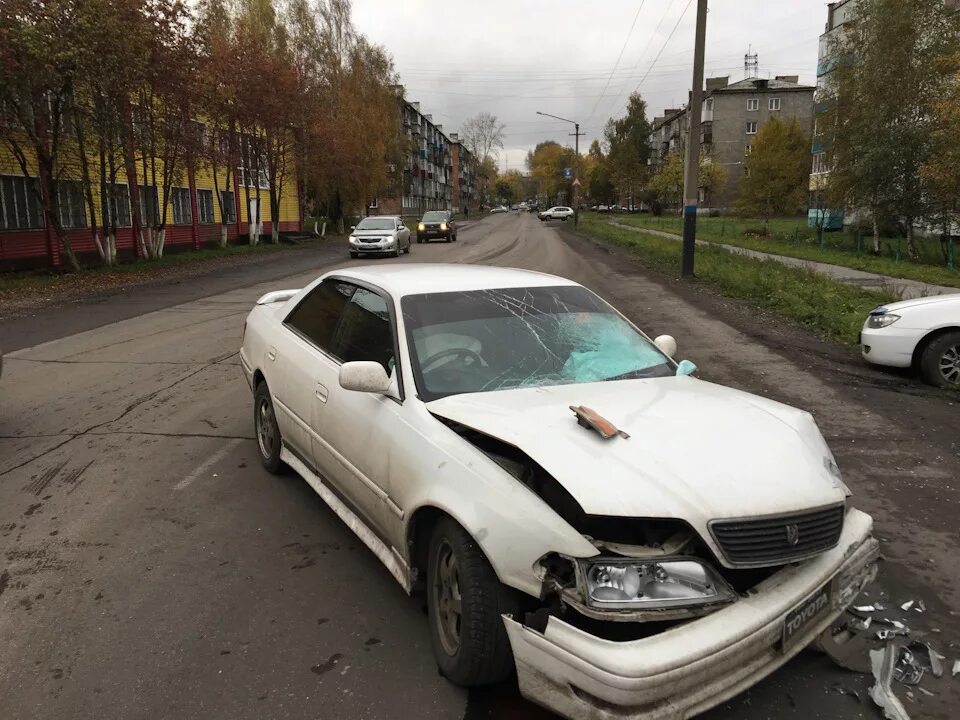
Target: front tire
{"points": [[465, 601], [940, 360], [354, 255], [267, 430]]}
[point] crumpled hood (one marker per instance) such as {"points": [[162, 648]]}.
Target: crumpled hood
{"points": [[696, 451]]}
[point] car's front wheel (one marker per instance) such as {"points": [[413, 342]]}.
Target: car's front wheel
{"points": [[354, 255], [465, 601], [940, 360], [267, 430]]}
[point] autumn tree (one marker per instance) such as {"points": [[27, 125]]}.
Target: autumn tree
{"points": [[39, 43], [599, 181], [941, 171], [218, 91], [888, 80], [483, 136], [778, 168], [547, 163], [666, 185], [628, 139]]}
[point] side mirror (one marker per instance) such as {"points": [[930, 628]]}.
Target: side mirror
{"points": [[364, 376], [686, 368], [666, 344], [353, 227]]}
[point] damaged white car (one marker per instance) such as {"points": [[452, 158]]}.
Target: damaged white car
{"points": [[635, 541]]}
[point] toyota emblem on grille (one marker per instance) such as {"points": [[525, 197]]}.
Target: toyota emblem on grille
{"points": [[793, 534]]}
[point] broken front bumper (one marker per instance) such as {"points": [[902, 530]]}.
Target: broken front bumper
{"points": [[692, 667]]}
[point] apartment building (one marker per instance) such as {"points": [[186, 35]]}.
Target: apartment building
{"points": [[436, 173], [730, 118], [838, 14], [192, 211]]}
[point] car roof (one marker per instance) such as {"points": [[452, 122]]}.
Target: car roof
{"points": [[378, 217], [416, 278]]}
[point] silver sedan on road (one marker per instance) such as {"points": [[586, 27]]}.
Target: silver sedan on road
{"points": [[379, 235]]}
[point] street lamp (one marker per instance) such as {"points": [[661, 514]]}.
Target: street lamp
{"points": [[576, 184]]}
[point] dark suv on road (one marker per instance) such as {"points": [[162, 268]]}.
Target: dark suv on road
{"points": [[437, 224]]}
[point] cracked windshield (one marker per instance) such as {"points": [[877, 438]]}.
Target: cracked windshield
{"points": [[369, 359]]}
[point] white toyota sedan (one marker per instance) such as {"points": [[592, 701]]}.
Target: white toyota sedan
{"points": [[923, 333], [379, 235], [571, 501]]}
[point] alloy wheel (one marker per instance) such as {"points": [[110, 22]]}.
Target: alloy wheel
{"points": [[950, 364], [266, 435], [447, 598]]}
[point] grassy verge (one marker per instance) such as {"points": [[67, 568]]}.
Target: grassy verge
{"points": [[793, 238], [829, 308], [17, 286]]}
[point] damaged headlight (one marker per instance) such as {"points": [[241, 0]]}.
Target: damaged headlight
{"points": [[628, 584]]}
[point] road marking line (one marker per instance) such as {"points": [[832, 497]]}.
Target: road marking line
{"points": [[207, 464]]}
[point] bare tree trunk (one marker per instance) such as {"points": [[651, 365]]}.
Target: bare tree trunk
{"points": [[911, 245], [876, 234]]}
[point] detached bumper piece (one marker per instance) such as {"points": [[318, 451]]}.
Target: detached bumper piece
{"points": [[690, 668]]}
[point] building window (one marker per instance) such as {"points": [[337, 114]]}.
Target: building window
{"points": [[820, 163], [19, 207], [119, 205], [205, 206], [753, 104], [708, 104], [752, 127], [180, 199], [149, 206], [747, 149], [73, 213], [773, 104], [229, 205]]}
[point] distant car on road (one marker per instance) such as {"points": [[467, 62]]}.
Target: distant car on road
{"points": [[923, 334], [437, 224], [558, 212], [379, 235], [668, 543], [603, 208], [498, 209]]}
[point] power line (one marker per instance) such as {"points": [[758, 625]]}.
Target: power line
{"points": [[617, 63], [663, 47]]}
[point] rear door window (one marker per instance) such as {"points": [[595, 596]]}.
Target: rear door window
{"points": [[317, 315]]}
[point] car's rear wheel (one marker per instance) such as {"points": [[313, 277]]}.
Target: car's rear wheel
{"points": [[465, 601], [940, 360], [267, 430]]}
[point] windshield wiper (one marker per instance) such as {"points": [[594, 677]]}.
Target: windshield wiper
{"points": [[637, 373]]}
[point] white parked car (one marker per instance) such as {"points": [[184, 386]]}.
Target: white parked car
{"points": [[923, 333], [379, 235], [569, 499], [557, 213]]}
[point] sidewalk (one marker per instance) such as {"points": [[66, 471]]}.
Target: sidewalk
{"points": [[906, 289]]}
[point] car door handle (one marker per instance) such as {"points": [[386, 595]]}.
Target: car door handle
{"points": [[272, 353], [321, 392]]}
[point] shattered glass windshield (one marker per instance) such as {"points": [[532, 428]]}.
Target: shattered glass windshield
{"points": [[486, 340]]}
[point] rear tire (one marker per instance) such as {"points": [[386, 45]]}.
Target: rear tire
{"points": [[267, 431], [940, 360], [465, 601]]}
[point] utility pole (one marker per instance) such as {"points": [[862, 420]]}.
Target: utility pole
{"points": [[691, 193], [576, 173]]}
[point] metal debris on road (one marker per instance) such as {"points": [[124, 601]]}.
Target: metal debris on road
{"points": [[936, 660], [887, 633], [882, 662], [877, 607], [846, 691], [926, 692], [907, 670]]}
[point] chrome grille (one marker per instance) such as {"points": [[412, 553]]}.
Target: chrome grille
{"points": [[776, 539]]}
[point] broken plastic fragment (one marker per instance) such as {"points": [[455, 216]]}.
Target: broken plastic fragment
{"points": [[886, 633], [867, 608], [926, 692], [591, 419], [907, 605], [936, 662], [920, 606], [882, 662], [956, 668]]}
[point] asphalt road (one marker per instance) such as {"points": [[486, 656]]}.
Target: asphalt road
{"points": [[151, 569]]}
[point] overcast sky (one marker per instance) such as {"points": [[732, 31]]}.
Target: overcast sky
{"points": [[514, 57]]}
